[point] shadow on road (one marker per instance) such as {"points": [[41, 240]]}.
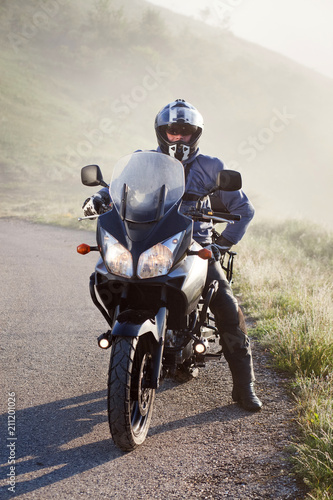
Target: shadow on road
{"points": [[43, 430], [46, 451], [226, 413]]}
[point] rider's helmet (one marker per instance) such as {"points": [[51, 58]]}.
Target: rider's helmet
{"points": [[179, 116]]}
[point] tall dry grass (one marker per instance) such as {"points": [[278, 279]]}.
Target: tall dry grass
{"points": [[284, 276]]}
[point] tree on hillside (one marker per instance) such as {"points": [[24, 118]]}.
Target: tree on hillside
{"points": [[152, 31], [107, 24]]}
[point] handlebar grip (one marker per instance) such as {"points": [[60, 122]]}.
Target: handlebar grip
{"points": [[228, 216]]}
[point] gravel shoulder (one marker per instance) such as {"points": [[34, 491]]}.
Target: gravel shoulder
{"points": [[200, 445]]}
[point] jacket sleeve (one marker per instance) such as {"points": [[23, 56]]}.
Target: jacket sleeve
{"points": [[237, 203]]}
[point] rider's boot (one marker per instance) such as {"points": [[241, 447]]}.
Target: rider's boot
{"points": [[246, 397], [241, 366]]}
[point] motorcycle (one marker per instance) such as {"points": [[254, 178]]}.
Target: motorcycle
{"points": [[149, 282]]}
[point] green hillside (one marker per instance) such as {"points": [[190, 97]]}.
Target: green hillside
{"points": [[82, 84]]}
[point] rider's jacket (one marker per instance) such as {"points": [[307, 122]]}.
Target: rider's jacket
{"points": [[200, 175]]}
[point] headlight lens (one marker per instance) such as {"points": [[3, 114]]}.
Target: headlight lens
{"points": [[154, 262], [158, 259], [117, 258]]}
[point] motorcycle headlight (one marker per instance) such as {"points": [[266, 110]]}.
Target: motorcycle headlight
{"points": [[159, 259], [117, 258]]}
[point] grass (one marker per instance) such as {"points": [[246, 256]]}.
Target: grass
{"points": [[314, 459], [285, 280], [53, 203]]}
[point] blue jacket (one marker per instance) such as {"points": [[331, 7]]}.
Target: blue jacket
{"points": [[201, 177], [201, 172]]}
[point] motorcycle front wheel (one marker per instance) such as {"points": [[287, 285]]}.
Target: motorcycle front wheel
{"points": [[130, 399]]}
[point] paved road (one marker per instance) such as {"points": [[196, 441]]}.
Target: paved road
{"points": [[200, 444]]}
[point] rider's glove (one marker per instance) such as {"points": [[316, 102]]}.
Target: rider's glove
{"points": [[219, 248], [95, 205], [216, 254], [223, 244]]}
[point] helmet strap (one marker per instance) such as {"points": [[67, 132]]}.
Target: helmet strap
{"points": [[179, 151], [172, 150], [186, 152]]}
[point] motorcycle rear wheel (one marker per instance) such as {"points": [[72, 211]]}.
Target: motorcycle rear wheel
{"points": [[130, 400]]}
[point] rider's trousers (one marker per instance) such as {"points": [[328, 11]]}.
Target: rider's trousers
{"points": [[231, 326]]}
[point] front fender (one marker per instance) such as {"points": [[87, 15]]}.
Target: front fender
{"points": [[137, 323]]}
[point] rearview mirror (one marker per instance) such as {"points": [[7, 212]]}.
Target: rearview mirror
{"points": [[91, 175], [229, 180]]}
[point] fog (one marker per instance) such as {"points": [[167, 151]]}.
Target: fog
{"points": [[300, 30], [82, 84]]}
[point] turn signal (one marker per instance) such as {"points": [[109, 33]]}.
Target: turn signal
{"points": [[205, 254], [83, 249]]}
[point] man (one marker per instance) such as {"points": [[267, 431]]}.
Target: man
{"points": [[178, 128]]}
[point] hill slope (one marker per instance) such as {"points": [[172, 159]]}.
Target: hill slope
{"points": [[83, 85]]}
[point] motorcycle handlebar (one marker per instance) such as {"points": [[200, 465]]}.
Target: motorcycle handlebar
{"points": [[227, 216]]}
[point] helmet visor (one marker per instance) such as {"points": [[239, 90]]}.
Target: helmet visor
{"points": [[181, 129]]}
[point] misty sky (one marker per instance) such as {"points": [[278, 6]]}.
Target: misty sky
{"points": [[300, 29]]}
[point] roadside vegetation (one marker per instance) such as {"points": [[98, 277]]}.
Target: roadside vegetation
{"points": [[285, 281]]}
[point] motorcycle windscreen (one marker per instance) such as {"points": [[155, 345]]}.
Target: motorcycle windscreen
{"points": [[145, 185]]}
